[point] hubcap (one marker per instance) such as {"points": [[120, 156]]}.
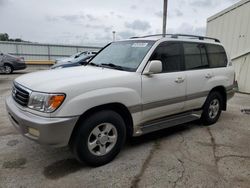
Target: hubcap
{"points": [[214, 108], [102, 139], [7, 69]]}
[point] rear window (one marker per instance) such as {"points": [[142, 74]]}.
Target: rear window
{"points": [[216, 55], [195, 56]]}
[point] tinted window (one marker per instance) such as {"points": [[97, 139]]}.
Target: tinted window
{"points": [[195, 56], [170, 56], [216, 55]]}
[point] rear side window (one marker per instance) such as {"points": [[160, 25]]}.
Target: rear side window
{"points": [[169, 53], [216, 55], [195, 56]]}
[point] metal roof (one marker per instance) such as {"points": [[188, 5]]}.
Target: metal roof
{"points": [[236, 5]]}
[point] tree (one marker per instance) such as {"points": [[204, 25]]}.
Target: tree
{"points": [[4, 37]]}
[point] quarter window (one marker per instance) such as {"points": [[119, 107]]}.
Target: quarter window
{"points": [[216, 55], [170, 56]]}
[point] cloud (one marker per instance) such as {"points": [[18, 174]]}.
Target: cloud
{"points": [[203, 3], [3, 2], [186, 28], [159, 14], [138, 25], [171, 13], [133, 7], [178, 13], [125, 34], [72, 18]]}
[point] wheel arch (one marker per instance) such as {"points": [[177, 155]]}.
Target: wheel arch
{"points": [[121, 109], [222, 91]]}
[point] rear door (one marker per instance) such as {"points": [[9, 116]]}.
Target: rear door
{"points": [[164, 93], [199, 74]]}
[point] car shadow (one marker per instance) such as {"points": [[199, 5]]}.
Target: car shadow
{"points": [[70, 165]]}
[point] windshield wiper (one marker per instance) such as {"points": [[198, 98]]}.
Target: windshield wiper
{"points": [[112, 66], [93, 64]]}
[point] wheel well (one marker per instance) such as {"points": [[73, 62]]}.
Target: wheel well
{"points": [[223, 93], [121, 109], [9, 65]]}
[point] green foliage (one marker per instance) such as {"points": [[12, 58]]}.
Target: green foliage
{"points": [[5, 37]]}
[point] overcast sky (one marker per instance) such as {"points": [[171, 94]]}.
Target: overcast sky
{"points": [[92, 21]]}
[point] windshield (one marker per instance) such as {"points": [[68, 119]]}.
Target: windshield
{"points": [[124, 55]]}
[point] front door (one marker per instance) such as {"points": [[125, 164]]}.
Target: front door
{"points": [[163, 94]]}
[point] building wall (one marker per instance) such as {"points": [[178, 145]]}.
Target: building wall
{"points": [[232, 27], [36, 51]]}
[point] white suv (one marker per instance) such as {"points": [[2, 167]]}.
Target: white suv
{"points": [[129, 88]]}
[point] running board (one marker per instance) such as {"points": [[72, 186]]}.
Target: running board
{"points": [[170, 121]]}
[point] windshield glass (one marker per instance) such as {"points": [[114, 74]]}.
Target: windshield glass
{"points": [[123, 55]]}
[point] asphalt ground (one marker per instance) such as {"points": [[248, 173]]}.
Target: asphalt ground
{"points": [[189, 155]]}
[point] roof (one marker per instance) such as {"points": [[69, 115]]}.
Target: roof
{"points": [[225, 11]]}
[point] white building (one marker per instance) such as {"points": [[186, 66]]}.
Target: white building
{"points": [[232, 27]]}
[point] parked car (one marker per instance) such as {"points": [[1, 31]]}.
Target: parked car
{"points": [[75, 56], [130, 88], [9, 63], [82, 60]]}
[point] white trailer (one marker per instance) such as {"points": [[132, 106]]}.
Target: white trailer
{"points": [[232, 27]]}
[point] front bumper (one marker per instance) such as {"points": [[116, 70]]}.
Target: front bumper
{"points": [[52, 131]]}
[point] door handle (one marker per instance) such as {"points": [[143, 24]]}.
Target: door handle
{"points": [[208, 76], [179, 80]]}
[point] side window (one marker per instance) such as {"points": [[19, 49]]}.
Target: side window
{"points": [[216, 55], [169, 54], [195, 56]]}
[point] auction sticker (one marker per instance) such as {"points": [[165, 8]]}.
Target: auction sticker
{"points": [[139, 45]]}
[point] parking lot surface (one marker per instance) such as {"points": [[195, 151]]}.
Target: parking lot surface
{"points": [[190, 155]]}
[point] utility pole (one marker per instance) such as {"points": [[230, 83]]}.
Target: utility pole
{"points": [[164, 25], [113, 35]]}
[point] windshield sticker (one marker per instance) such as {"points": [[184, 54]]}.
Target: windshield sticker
{"points": [[139, 45]]}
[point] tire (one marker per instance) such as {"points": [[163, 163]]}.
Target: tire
{"points": [[212, 108], [8, 69], [96, 151]]}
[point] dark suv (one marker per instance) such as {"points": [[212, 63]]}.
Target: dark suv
{"points": [[9, 63]]}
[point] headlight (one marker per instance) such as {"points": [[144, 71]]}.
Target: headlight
{"points": [[44, 102]]}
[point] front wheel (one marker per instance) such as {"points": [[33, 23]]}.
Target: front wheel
{"points": [[212, 108], [99, 138], [8, 69]]}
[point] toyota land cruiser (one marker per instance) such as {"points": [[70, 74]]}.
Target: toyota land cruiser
{"points": [[130, 88]]}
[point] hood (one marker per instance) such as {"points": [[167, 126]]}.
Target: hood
{"points": [[62, 80], [61, 63]]}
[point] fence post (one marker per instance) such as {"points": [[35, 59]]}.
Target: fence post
{"points": [[17, 53], [49, 52]]}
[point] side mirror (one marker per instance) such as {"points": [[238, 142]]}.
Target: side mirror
{"points": [[154, 67]]}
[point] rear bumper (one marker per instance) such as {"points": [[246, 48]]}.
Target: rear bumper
{"points": [[231, 91], [49, 131], [19, 66]]}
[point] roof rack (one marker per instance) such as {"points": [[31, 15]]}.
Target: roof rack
{"points": [[155, 35], [194, 36], [180, 35]]}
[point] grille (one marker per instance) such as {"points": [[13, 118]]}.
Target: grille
{"points": [[20, 95]]}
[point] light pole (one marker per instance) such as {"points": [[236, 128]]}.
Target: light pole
{"points": [[164, 25], [113, 35]]}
